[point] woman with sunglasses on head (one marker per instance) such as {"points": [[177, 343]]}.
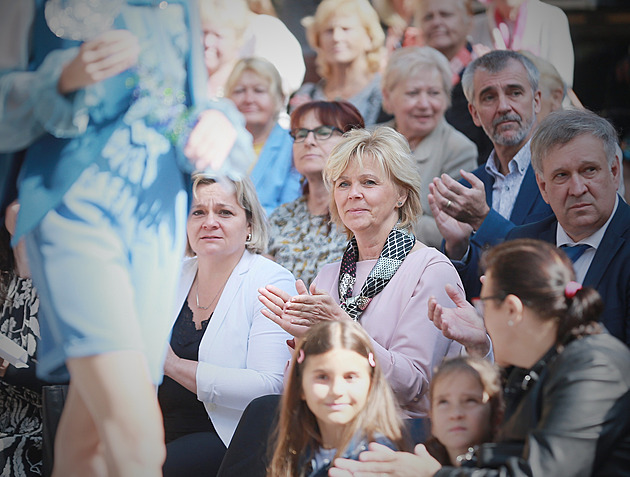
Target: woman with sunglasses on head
{"points": [[302, 237]]}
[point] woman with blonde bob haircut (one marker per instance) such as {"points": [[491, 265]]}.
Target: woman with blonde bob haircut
{"points": [[386, 276], [417, 91], [255, 87], [391, 152], [349, 41], [223, 352]]}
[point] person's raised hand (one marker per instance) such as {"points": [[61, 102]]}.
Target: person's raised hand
{"points": [[210, 141], [275, 299], [462, 323], [456, 234], [105, 56], [466, 204]]}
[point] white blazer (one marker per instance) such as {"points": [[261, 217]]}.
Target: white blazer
{"points": [[242, 354]]}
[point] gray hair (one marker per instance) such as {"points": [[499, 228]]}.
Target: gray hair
{"points": [[406, 62], [391, 151], [248, 199], [495, 62], [561, 127]]}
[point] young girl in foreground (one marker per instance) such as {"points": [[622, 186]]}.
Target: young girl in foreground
{"points": [[336, 401], [466, 407]]}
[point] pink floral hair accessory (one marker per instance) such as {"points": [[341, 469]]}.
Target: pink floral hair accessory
{"points": [[571, 289], [371, 360], [300, 358]]}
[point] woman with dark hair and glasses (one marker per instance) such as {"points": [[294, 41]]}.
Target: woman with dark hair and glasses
{"points": [[302, 237], [568, 394]]}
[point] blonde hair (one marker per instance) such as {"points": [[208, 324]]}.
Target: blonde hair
{"points": [[406, 62], [358, 8], [233, 14], [263, 69], [391, 151], [248, 199], [298, 433]]}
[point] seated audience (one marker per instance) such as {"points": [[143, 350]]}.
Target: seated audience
{"points": [[223, 352], [255, 88], [502, 90], [302, 237], [445, 25], [20, 389], [348, 39], [569, 412], [466, 407], [385, 276], [417, 90], [531, 25], [336, 401], [576, 159]]}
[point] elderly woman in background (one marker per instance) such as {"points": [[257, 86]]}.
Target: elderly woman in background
{"points": [[223, 352], [568, 405], [386, 276], [445, 26], [255, 87], [416, 89], [302, 238], [349, 42]]}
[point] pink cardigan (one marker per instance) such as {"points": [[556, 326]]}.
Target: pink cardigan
{"points": [[408, 345]]}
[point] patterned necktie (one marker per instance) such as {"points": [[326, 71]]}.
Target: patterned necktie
{"points": [[575, 251]]}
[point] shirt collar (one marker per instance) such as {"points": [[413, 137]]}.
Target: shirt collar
{"points": [[562, 238], [519, 163]]}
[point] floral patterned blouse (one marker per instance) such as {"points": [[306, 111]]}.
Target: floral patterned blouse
{"points": [[20, 406], [303, 243]]}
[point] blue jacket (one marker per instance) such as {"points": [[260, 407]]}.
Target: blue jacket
{"points": [[276, 180], [609, 272], [529, 207]]}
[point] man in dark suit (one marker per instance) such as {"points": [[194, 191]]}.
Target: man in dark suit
{"points": [[503, 98], [577, 169]]}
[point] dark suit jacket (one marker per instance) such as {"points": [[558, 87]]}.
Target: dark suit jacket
{"points": [[529, 207], [609, 272]]}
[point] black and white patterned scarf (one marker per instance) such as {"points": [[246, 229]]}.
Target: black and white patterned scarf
{"points": [[397, 246]]}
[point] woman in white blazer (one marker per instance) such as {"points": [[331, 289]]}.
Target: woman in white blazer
{"points": [[223, 352]]}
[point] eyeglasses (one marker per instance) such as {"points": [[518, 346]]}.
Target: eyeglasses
{"points": [[321, 133], [478, 302]]}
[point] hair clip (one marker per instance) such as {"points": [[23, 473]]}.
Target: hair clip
{"points": [[571, 289], [371, 360], [300, 357]]}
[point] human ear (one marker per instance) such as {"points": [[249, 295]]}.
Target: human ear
{"points": [[542, 185], [514, 309], [473, 113]]}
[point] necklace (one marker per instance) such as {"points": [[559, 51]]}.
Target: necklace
{"points": [[211, 303]]}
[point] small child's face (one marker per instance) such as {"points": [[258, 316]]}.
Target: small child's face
{"points": [[335, 386], [460, 415]]}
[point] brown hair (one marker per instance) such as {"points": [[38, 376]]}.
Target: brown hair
{"points": [[489, 377], [298, 433], [537, 273]]}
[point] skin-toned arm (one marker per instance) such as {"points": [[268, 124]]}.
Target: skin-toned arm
{"points": [[296, 313], [462, 324], [184, 371], [380, 460], [103, 57]]}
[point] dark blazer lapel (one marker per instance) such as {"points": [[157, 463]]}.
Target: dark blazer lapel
{"points": [[524, 202], [612, 241], [488, 182]]}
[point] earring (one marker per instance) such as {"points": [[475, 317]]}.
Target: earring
{"points": [[510, 323], [399, 204], [249, 238]]}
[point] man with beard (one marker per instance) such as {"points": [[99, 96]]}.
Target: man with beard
{"points": [[503, 98]]}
